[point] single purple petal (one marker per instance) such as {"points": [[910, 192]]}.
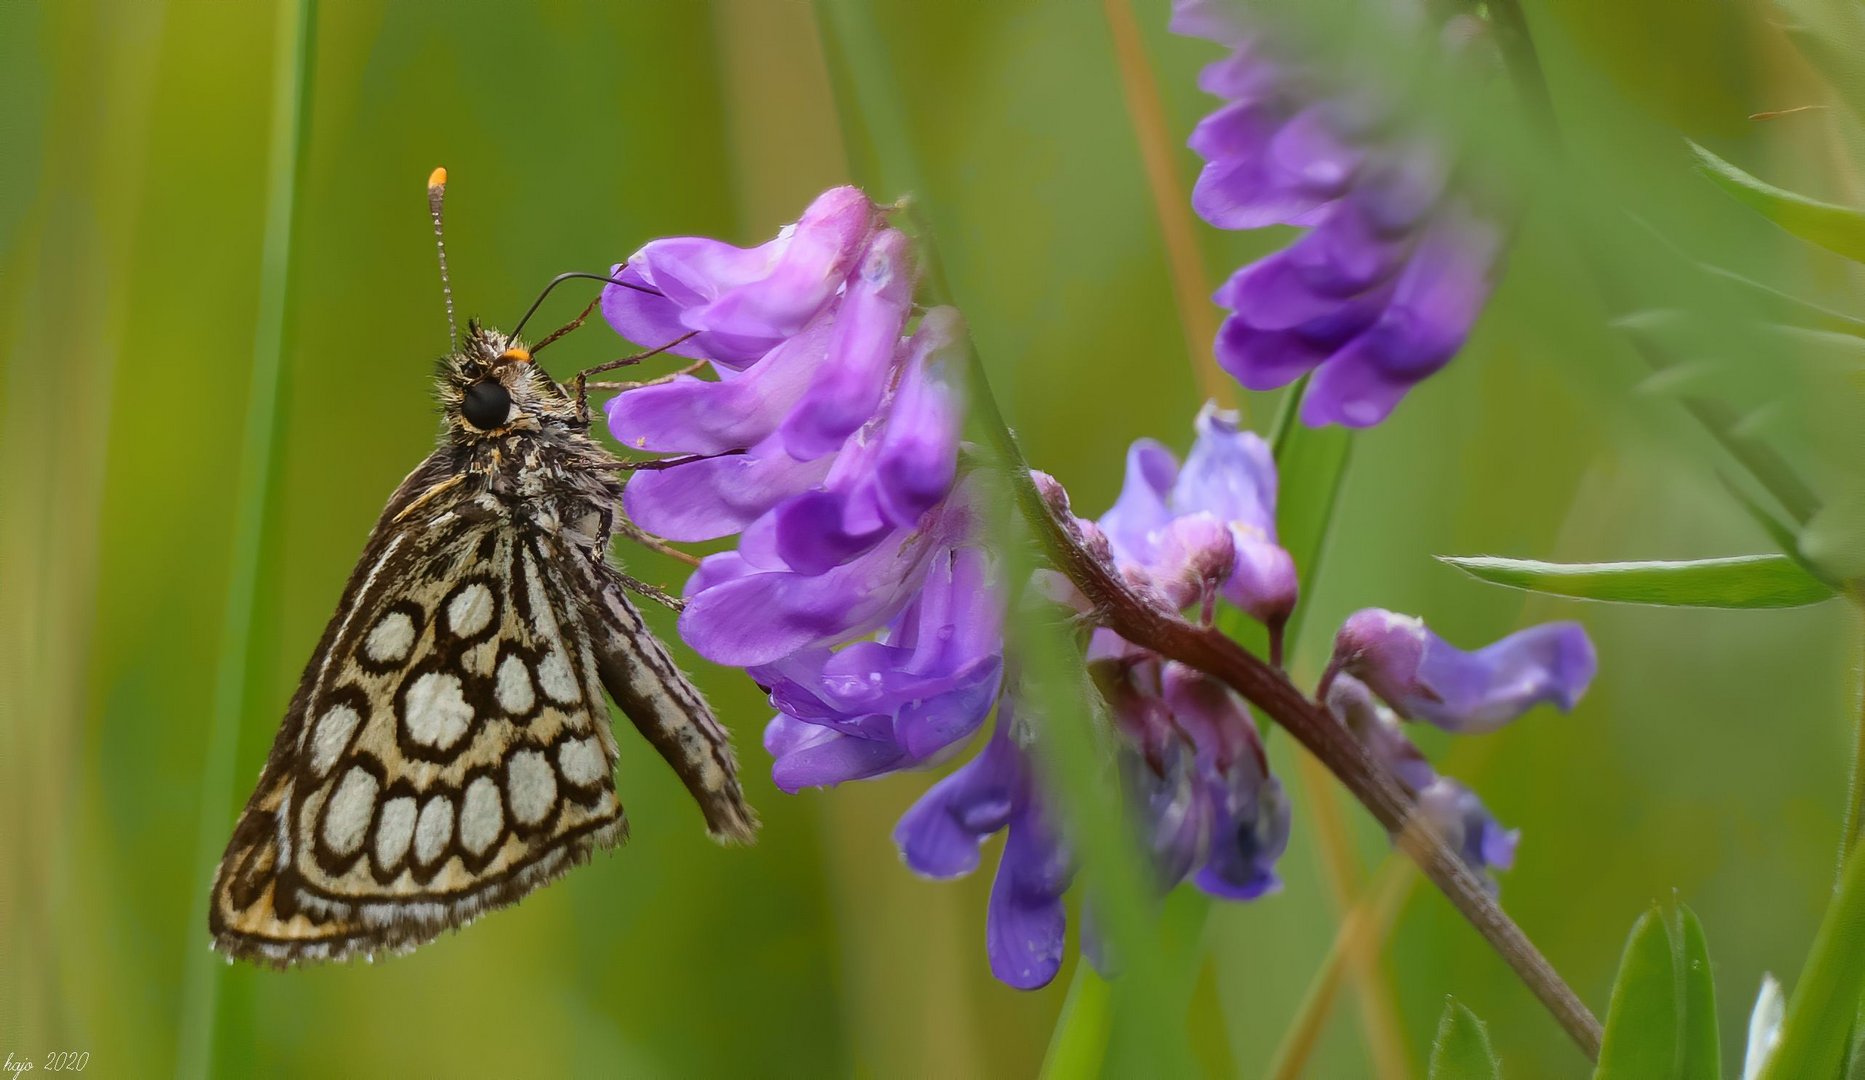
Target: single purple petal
{"points": [[698, 416], [1468, 827], [1240, 188], [1133, 523], [1352, 391], [1424, 677], [1230, 473], [1438, 296], [1401, 188], [1025, 923], [808, 755], [1196, 556], [1213, 717], [822, 529], [918, 453], [1249, 832], [1378, 730], [762, 617], [717, 496], [1266, 359], [1311, 151], [743, 300], [847, 384], [1175, 814], [939, 835], [815, 258], [1214, 20], [1263, 582], [1309, 281]]}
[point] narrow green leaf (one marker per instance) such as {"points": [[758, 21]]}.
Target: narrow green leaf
{"points": [[1839, 229], [1641, 1040], [1310, 464], [1816, 1033], [1461, 1050], [1662, 1021], [294, 61], [1742, 581], [1701, 1046]]}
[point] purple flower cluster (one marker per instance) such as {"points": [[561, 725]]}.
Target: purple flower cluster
{"points": [[862, 596], [1387, 667], [1398, 259], [829, 443]]}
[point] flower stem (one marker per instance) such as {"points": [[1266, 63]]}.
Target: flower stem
{"points": [[1209, 651]]}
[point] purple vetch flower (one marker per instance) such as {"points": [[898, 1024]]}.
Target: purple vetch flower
{"points": [[1399, 257], [1196, 771], [1426, 678], [942, 832], [1452, 809], [922, 687], [1208, 525], [744, 302]]}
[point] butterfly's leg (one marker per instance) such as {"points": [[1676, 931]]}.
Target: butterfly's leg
{"points": [[652, 592], [653, 543], [566, 328], [690, 369], [582, 377]]}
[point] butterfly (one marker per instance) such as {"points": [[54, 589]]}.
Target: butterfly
{"points": [[448, 749]]}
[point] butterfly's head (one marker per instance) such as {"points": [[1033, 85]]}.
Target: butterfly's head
{"points": [[490, 388]]}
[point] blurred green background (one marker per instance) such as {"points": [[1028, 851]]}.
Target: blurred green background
{"points": [[1709, 758]]}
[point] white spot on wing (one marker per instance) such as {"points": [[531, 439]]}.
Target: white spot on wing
{"points": [[514, 685], [391, 639], [470, 610], [482, 819], [582, 762], [436, 711], [346, 816], [531, 786], [332, 735], [434, 829], [395, 830], [555, 676]]}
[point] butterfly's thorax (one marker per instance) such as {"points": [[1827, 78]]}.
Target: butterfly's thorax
{"points": [[554, 481]]}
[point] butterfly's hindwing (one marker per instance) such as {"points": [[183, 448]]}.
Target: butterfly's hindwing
{"points": [[448, 748], [448, 752]]}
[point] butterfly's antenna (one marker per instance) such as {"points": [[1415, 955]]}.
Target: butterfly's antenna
{"points": [[436, 191], [572, 276]]}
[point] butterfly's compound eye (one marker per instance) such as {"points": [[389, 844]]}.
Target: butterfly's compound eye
{"points": [[486, 404]]}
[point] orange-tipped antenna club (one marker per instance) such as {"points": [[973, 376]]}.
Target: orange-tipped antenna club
{"points": [[436, 192]]}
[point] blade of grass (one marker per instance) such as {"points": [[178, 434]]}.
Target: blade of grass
{"points": [[1815, 1033], [1171, 203], [1362, 929], [1140, 1021], [290, 129]]}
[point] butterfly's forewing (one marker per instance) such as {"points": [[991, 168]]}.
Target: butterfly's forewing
{"points": [[447, 751]]}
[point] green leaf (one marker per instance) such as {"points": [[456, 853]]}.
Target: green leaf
{"points": [[1461, 1051], [1742, 581], [1816, 1033], [1310, 464], [1839, 229], [1662, 1020]]}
